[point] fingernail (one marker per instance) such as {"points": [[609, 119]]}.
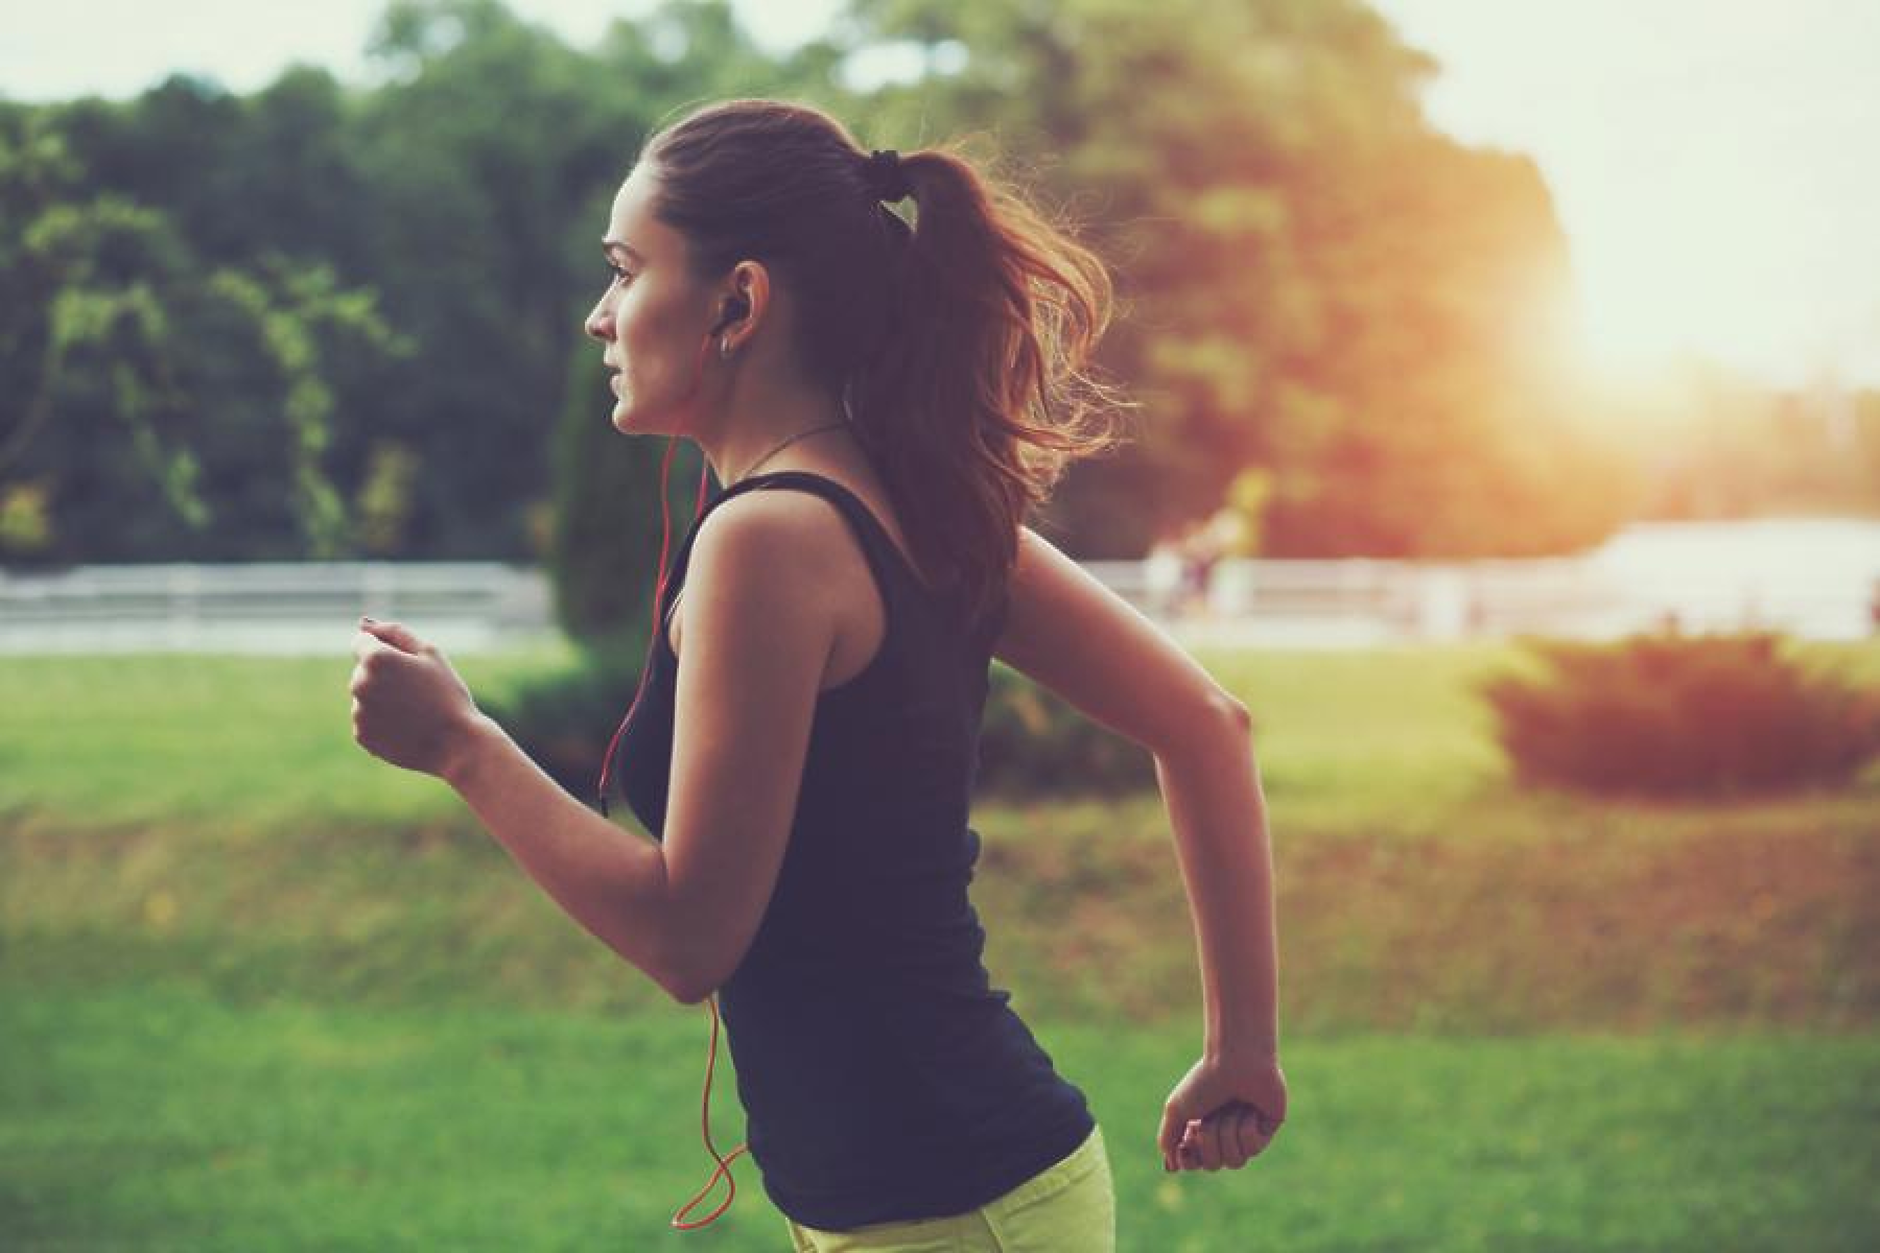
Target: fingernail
{"points": [[363, 618]]}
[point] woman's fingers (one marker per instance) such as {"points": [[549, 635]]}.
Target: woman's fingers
{"points": [[1236, 1141], [1255, 1131], [1228, 1140], [1168, 1138], [397, 634], [1214, 1137], [1203, 1144], [1190, 1146]]}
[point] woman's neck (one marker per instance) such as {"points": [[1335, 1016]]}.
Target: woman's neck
{"points": [[759, 418]]}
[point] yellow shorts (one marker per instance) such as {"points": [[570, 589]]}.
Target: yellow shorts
{"points": [[1069, 1207]]}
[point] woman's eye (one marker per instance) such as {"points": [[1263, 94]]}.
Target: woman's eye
{"points": [[620, 275]]}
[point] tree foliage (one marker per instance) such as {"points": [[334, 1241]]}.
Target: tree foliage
{"points": [[325, 319], [166, 403], [1318, 283]]}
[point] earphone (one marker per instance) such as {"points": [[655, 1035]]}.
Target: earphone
{"points": [[735, 308]]}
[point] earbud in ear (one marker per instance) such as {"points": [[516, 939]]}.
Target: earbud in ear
{"points": [[735, 309]]}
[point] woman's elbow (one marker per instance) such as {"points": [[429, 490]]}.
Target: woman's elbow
{"points": [[1237, 712], [684, 989], [1219, 713]]}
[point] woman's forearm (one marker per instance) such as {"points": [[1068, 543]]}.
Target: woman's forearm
{"points": [[1215, 804], [609, 880]]}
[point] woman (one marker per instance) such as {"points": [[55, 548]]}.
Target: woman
{"points": [[882, 402]]}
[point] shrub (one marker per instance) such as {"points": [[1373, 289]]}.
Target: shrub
{"points": [[605, 536], [1032, 743], [564, 718], [1669, 714]]}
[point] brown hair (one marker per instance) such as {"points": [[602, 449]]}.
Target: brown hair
{"points": [[961, 341]]}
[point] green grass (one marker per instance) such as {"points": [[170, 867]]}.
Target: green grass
{"points": [[1394, 740], [1389, 740], [150, 1117], [252, 742], [260, 991]]}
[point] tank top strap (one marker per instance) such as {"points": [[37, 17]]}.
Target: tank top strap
{"points": [[682, 558], [895, 572], [874, 535], [884, 556], [847, 501]]}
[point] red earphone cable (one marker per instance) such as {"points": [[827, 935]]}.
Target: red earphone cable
{"points": [[711, 1002], [665, 537], [705, 1127]]}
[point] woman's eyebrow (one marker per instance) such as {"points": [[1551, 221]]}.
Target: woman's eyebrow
{"points": [[608, 245]]}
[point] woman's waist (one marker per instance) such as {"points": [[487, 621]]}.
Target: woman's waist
{"points": [[944, 1056], [880, 1148]]}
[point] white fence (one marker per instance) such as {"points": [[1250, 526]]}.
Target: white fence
{"points": [[275, 607], [311, 608], [1357, 602]]}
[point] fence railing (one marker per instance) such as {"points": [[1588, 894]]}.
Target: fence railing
{"points": [[1355, 601], [292, 607]]}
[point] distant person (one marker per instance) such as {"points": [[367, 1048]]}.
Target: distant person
{"points": [[1475, 616], [1203, 550], [874, 396], [1205, 561], [1163, 572]]}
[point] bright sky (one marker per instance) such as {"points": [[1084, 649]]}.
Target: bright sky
{"points": [[1709, 161]]}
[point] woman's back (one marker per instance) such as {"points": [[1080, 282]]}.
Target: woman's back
{"points": [[884, 1077]]}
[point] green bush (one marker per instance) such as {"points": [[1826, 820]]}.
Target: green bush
{"points": [[1669, 714], [1031, 743], [564, 717], [605, 535]]}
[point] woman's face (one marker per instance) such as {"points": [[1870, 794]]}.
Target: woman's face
{"points": [[654, 319]]}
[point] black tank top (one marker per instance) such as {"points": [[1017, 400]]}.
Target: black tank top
{"points": [[883, 1078]]}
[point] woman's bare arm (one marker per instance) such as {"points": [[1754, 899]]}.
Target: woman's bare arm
{"points": [[1218, 811], [1071, 634]]}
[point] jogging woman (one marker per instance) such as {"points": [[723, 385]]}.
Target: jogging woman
{"points": [[883, 397]]}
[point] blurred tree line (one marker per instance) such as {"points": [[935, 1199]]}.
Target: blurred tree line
{"points": [[321, 320], [324, 320]]}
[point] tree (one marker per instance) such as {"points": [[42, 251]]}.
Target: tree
{"points": [[168, 407], [1314, 281], [605, 533]]}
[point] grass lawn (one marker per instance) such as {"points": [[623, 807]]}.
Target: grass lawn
{"points": [[259, 991], [149, 1116]]}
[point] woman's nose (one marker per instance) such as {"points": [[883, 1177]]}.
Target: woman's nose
{"points": [[597, 326]]}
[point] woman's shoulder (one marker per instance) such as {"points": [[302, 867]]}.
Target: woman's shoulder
{"points": [[767, 553], [773, 544], [851, 490], [797, 530], [761, 563]]}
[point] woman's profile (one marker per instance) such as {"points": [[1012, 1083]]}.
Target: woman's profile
{"points": [[882, 397]]}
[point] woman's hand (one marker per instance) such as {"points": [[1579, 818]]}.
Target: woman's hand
{"points": [[1224, 1111], [409, 707]]}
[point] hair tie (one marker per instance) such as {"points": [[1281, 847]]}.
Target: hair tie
{"points": [[886, 178]]}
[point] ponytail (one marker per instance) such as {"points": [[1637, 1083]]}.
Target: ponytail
{"points": [[962, 342]]}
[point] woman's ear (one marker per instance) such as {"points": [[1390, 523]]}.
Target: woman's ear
{"points": [[743, 305]]}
